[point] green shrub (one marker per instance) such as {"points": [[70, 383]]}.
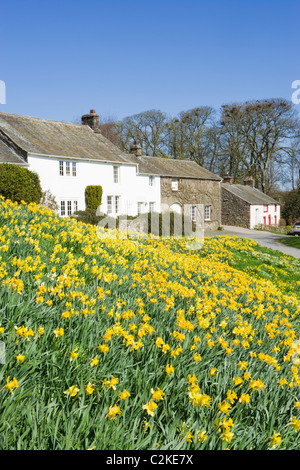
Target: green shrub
{"points": [[93, 197], [88, 216], [19, 184]]}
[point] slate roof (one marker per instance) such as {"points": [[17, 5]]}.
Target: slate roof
{"points": [[9, 155], [55, 138], [38, 136], [251, 195], [173, 168]]}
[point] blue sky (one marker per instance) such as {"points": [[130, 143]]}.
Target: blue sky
{"points": [[59, 59]]}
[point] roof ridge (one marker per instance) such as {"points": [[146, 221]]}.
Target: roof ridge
{"points": [[41, 119]]}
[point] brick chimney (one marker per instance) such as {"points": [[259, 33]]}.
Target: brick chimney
{"points": [[249, 182], [91, 119], [136, 149], [227, 179]]}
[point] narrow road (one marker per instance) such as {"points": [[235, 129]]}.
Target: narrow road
{"points": [[264, 238]]}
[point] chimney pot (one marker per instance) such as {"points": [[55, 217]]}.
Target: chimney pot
{"points": [[227, 179], [92, 120], [249, 182], [136, 149]]}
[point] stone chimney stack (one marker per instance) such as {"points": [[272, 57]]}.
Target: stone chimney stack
{"points": [[227, 179], [136, 149], [249, 182], [91, 119]]}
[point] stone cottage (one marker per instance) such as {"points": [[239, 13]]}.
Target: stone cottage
{"points": [[245, 206]]}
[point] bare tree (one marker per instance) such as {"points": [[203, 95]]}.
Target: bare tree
{"points": [[264, 131]]}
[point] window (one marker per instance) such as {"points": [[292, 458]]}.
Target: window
{"points": [[175, 185], [65, 168], [193, 213], [109, 204], [116, 174], [140, 208], [117, 204], [62, 208], [68, 207], [265, 208], [151, 206], [207, 212], [151, 180]]}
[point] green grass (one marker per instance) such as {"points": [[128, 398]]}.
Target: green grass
{"points": [[293, 241]]}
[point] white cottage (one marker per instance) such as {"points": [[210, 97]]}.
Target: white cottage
{"points": [[68, 157]]}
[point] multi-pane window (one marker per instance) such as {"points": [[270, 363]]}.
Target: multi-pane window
{"points": [[151, 180], [207, 212], [175, 185], [62, 208], [68, 207], [116, 174], [193, 213], [65, 168], [151, 206], [117, 204], [109, 204]]}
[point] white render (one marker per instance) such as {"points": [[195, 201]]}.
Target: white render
{"points": [[132, 188], [264, 215]]}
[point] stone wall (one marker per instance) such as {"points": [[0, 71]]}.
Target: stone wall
{"points": [[235, 211], [194, 191]]}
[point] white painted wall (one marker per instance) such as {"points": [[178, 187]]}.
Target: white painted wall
{"points": [[264, 215], [132, 188]]}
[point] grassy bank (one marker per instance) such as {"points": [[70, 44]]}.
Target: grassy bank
{"points": [[115, 343], [291, 241]]}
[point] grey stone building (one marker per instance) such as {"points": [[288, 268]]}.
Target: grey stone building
{"points": [[184, 184], [245, 206]]}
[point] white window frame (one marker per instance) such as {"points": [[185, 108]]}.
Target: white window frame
{"points": [[193, 213], [151, 180], [117, 204], [151, 206], [207, 213], [62, 208], [116, 174], [61, 168], [109, 204], [68, 169], [140, 206], [74, 169], [68, 207], [174, 184]]}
